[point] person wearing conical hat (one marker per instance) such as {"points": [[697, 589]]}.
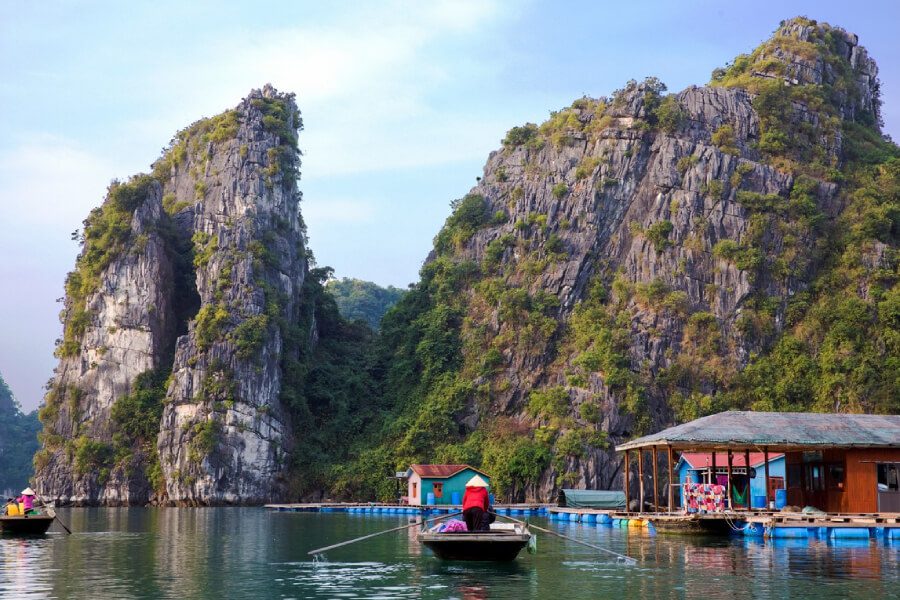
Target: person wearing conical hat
{"points": [[26, 500], [476, 505]]}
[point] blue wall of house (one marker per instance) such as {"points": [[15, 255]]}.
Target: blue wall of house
{"points": [[757, 484], [456, 483]]}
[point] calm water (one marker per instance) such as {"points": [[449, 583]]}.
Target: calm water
{"points": [[251, 553]]}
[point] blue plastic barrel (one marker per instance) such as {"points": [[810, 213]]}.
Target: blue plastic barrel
{"points": [[758, 501], [573, 516], [780, 499], [790, 532], [590, 518], [491, 498], [604, 519], [429, 499], [455, 498], [849, 532]]}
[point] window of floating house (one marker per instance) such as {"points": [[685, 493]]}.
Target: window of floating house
{"points": [[438, 490], [888, 477], [835, 476], [814, 477]]}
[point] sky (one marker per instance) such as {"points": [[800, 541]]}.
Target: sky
{"points": [[402, 102]]}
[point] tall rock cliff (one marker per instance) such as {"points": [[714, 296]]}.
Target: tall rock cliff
{"points": [[630, 262], [224, 432], [181, 319]]}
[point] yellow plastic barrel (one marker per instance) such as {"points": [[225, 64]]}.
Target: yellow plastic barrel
{"points": [[637, 523], [13, 510]]}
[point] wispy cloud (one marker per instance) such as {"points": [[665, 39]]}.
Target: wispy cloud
{"points": [[49, 181], [370, 86]]}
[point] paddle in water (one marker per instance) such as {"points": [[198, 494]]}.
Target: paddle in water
{"points": [[371, 535], [53, 514]]}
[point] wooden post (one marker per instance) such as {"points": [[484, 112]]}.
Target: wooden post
{"points": [[671, 456], [766, 458], [655, 483], [747, 464], [712, 477], [728, 491], [627, 494], [641, 480]]}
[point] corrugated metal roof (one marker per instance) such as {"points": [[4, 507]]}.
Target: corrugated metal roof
{"points": [[744, 429], [699, 460], [441, 471]]}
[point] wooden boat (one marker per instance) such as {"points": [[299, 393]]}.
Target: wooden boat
{"points": [[502, 543], [27, 524]]}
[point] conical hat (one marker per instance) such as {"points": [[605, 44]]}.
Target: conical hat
{"points": [[477, 481], [28, 492]]}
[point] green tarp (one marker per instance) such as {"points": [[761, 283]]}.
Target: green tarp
{"points": [[606, 499]]}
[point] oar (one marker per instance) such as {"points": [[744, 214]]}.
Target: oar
{"points": [[371, 535], [53, 514], [628, 560]]}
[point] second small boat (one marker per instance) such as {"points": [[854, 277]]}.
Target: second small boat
{"points": [[26, 525]]}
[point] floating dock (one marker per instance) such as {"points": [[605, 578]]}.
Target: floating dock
{"points": [[777, 525], [759, 524], [514, 510]]}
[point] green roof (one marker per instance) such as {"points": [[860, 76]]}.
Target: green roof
{"points": [[740, 430]]}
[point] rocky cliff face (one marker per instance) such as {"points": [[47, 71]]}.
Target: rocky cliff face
{"points": [[225, 433], [125, 327], [619, 266], [193, 274]]}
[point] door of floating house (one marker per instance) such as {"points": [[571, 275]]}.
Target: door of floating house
{"points": [[439, 484]]}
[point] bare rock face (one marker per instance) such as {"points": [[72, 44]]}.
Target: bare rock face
{"points": [[192, 273], [128, 329], [224, 433]]}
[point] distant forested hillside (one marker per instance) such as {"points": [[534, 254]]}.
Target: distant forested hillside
{"points": [[18, 441], [357, 299]]}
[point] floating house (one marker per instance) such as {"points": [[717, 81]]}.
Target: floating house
{"points": [[439, 484], [697, 467], [838, 463]]}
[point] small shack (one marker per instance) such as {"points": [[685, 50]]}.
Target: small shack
{"points": [[839, 463], [439, 484], [600, 499]]}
